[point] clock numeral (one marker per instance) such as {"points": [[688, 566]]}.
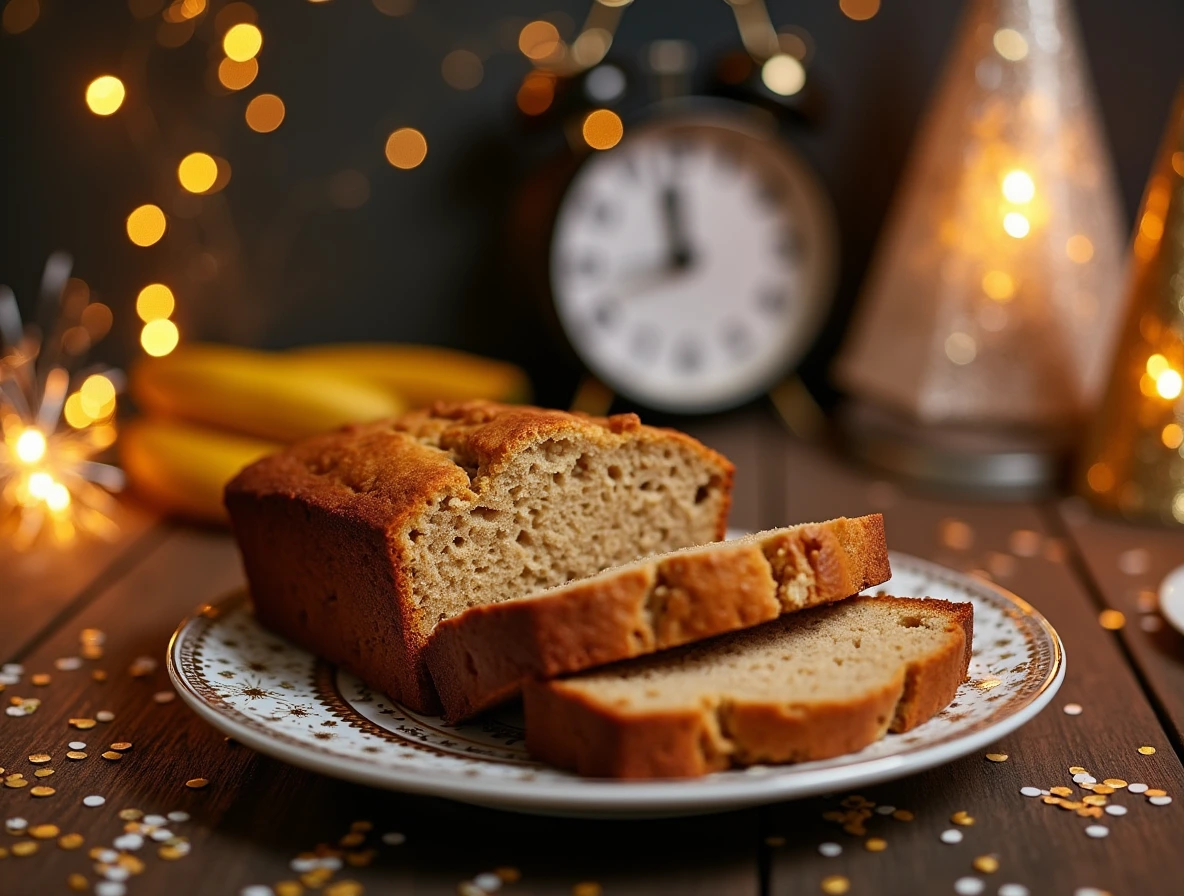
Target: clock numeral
{"points": [[688, 356], [644, 342], [737, 339], [773, 300]]}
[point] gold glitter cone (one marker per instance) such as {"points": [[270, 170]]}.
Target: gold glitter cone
{"points": [[994, 295], [1134, 461]]}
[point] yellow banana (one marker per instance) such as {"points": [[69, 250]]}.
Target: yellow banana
{"points": [[422, 374], [268, 395], [182, 468]]}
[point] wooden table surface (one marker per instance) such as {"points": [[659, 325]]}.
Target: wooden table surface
{"points": [[257, 813]]}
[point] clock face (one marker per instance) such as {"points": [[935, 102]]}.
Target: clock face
{"points": [[692, 264]]}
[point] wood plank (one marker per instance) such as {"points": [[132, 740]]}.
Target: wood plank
{"points": [[1126, 564], [42, 582], [257, 814], [1038, 846]]}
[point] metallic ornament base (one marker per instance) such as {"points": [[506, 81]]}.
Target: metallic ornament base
{"points": [[1008, 464]]}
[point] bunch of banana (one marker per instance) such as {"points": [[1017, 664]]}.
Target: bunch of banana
{"points": [[212, 409]]}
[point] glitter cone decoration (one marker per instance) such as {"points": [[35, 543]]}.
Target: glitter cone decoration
{"points": [[1134, 462], [994, 296]]}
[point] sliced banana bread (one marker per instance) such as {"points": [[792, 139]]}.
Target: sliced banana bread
{"points": [[357, 543], [482, 656], [811, 685]]}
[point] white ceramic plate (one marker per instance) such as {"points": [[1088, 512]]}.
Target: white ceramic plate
{"points": [[282, 701], [1171, 598]]}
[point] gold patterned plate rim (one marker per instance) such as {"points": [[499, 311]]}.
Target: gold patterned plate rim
{"points": [[375, 742]]}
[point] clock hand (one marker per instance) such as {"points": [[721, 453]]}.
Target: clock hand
{"points": [[680, 254]]}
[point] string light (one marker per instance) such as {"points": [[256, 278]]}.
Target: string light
{"points": [[265, 113], [98, 396], [961, 348], [197, 172], [783, 74], [105, 94], [406, 148], [146, 225], [159, 337], [20, 15], [1079, 248], [155, 301], [1016, 225], [1169, 384], [237, 75], [603, 129], [536, 93], [242, 42], [859, 10], [462, 69], [998, 285], [538, 40], [1172, 436], [1010, 44], [30, 446], [1018, 187]]}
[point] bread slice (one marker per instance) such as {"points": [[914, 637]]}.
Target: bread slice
{"points": [[482, 656], [811, 685], [357, 543]]}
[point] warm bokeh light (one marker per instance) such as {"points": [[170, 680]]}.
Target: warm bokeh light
{"points": [[98, 396], [1079, 248], [603, 129], [97, 319], [1172, 435], [536, 93], [265, 113], [1157, 364], [859, 10], [183, 10], [159, 337], [146, 225], [1018, 186], [406, 148], [39, 484], [998, 285], [462, 69], [237, 75], [1169, 384], [105, 94], [76, 341], [20, 15], [1016, 225], [1147, 385], [30, 445], [1151, 226], [57, 497], [961, 348], [783, 74], [233, 14], [75, 414], [197, 172], [1100, 477], [538, 39], [1010, 44], [154, 302], [242, 42]]}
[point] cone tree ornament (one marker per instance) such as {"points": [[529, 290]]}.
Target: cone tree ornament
{"points": [[994, 294], [1134, 462]]}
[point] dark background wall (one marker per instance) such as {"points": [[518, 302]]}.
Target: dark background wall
{"points": [[271, 261]]}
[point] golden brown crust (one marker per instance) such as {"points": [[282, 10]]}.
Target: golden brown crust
{"points": [[567, 727], [322, 525], [482, 656]]}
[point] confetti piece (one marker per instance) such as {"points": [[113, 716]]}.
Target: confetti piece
{"points": [[586, 888], [1111, 620], [41, 679], [194, 783], [1084, 778], [75, 755], [951, 836], [1116, 810], [178, 817], [508, 874], [110, 888], [105, 715], [488, 882], [1147, 751], [43, 773], [128, 842], [394, 838], [1160, 800], [968, 886], [70, 841], [903, 815], [255, 890], [835, 885], [131, 814], [1030, 791], [830, 850], [468, 888], [68, 663], [986, 864], [77, 882], [962, 817], [111, 756], [351, 888], [1097, 831], [93, 801], [76, 745], [24, 848], [1072, 709], [82, 724], [885, 810], [875, 844], [1013, 890], [997, 757], [42, 791], [1137, 788], [122, 746], [40, 758], [16, 825]]}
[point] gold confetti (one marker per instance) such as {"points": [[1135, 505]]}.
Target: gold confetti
{"points": [[91, 652], [130, 814], [1094, 800], [82, 724], [1147, 751], [196, 783], [172, 853], [875, 844], [112, 755], [508, 874], [1090, 812], [288, 888], [316, 878], [1071, 804], [42, 791], [354, 838], [586, 888], [1111, 620], [988, 683], [1116, 783], [44, 831], [41, 679], [997, 757], [14, 782], [99, 674], [122, 746], [903, 815], [1155, 791], [132, 863], [40, 758], [986, 864], [70, 841], [1103, 789], [24, 848], [963, 818], [76, 755], [43, 773], [344, 888], [835, 885], [105, 715], [360, 859], [77, 882], [1077, 770]]}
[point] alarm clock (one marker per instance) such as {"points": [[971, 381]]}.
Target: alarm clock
{"points": [[691, 265]]}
